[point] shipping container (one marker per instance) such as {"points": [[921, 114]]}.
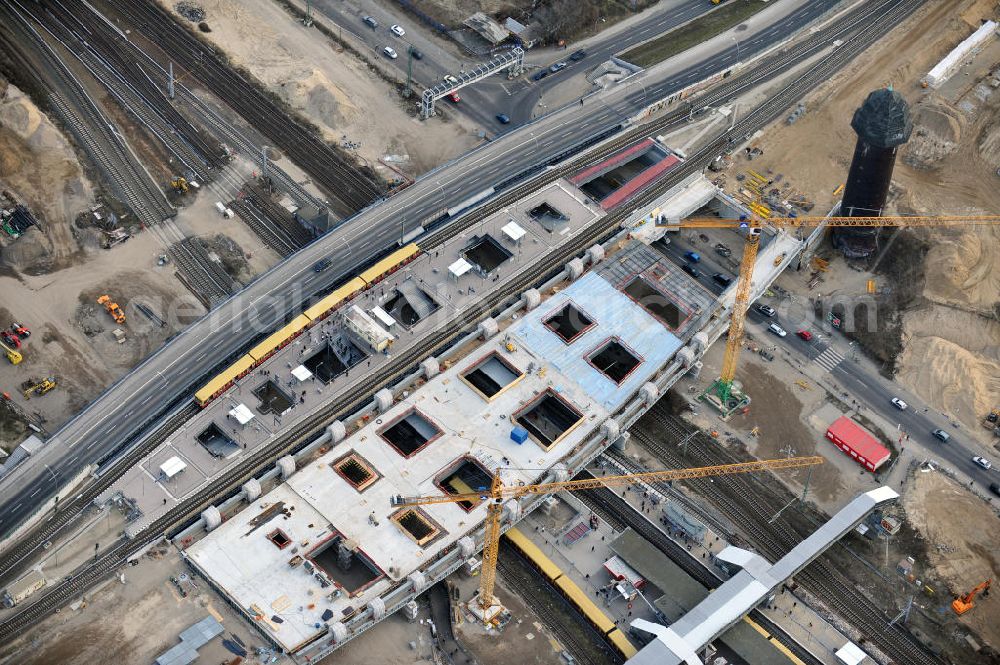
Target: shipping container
{"points": [[855, 441]]}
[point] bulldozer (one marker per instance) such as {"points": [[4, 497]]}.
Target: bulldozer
{"points": [[113, 309], [963, 604], [180, 184], [40, 388]]}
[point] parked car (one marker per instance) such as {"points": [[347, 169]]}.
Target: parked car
{"points": [[559, 66], [777, 330], [448, 78], [982, 462], [766, 310], [693, 257], [322, 265], [995, 488], [722, 250], [941, 434], [454, 98], [398, 31], [540, 74], [503, 118], [691, 270], [578, 55], [722, 280], [390, 52], [371, 22], [805, 334], [899, 404], [417, 55]]}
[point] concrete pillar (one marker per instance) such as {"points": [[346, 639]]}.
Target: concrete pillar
{"points": [[511, 510], [286, 466], [487, 328], [383, 400], [611, 429], [337, 431], [212, 517], [574, 269], [559, 472], [621, 443], [410, 611], [695, 370], [377, 607], [418, 580], [686, 356], [700, 341], [530, 299], [467, 546], [430, 367], [339, 632], [595, 254], [649, 393], [251, 490]]}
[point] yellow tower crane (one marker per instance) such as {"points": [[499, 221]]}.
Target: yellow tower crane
{"points": [[497, 493], [752, 227]]}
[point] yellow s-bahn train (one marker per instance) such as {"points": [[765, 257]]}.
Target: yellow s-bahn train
{"points": [[568, 588], [277, 340]]}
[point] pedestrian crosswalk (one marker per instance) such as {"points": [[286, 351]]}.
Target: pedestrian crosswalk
{"points": [[829, 359]]}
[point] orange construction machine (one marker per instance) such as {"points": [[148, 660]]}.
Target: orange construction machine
{"points": [[963, 604], [113, 309]]}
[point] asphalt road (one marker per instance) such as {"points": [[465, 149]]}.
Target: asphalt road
{"points": [[874, 394], [172, 373]]}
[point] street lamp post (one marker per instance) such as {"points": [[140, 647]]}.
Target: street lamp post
{"points": [[737, 49]]}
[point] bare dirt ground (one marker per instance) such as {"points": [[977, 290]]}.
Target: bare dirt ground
{"points": [[962, 539], [951, 339], [330, 87]]}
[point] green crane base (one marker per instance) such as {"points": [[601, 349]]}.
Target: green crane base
{"points": [[727, 400]]}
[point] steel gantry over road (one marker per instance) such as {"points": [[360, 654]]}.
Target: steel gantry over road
{"points": [[510, 61]]}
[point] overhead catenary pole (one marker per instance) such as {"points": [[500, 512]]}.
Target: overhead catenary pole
{"points": [[170, 79]]}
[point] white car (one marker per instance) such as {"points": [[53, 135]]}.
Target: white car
{"points": [[448, 78], [983, 462], [777, 330], [398, 31], [390, 52], [899, 404]]}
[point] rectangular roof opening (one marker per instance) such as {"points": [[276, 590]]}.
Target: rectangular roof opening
{"points": [[356, 470], [548, 418], [615, 360], [272, 399], [491, 375], [409, 433], [417, 525], [548, 216], [569, 322], [655, 302], [463, 477], [334, 358], [217, 442], [408, 304], [486, 253], [344, 563], [279, 538]]}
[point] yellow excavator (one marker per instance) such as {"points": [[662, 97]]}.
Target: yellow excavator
{"points": [[180, 184], [40, 388], [113, 309], [13, 355]]}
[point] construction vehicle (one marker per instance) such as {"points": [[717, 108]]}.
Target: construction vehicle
{"points": [[180, 184], [963, 604], [20, 330], [722, 389], [10, 339], [498, 493], [13, 355], [40, 388], [113, 309]]}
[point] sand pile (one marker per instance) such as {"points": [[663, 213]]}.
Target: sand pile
{"points": [[964, 268], [937, 131]]}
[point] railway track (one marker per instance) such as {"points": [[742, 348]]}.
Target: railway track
{"points": [[866, 27], [619, 514], [556, 613], [348, 184], [209, 282], [753, 504]]}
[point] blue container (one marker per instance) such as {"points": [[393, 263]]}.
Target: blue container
{"points": [[519, 435]]}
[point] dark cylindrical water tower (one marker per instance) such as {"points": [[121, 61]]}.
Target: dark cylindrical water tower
{"points": [[882, 124]]}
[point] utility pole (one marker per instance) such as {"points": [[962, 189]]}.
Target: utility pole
{"points": [[409, 72], [683, 445], [170, 80], [308, 20], [263, 164]]}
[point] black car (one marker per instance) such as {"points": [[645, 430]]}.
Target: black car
{"points": [[690, 269], [539, 75], [503, 118], [417, 55], [721, 279], [578, 55], [995, 488], [322, 265]]}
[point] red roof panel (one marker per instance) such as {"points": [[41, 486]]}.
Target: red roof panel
{"points": [[852, 437]]}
